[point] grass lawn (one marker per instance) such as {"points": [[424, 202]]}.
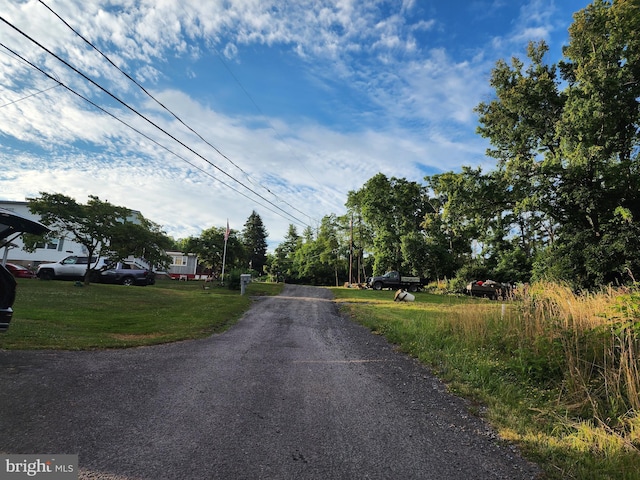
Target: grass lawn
{"points": [[61, 315], [484, 350], [517, 382]]}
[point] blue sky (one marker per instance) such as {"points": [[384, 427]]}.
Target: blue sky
{"points": [[294, 103]]}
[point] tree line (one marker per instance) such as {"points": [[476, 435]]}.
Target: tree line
{"points": [[563, 202]]}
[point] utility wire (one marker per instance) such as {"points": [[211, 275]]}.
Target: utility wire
{"points": [[28, 96], [145, 118], [166, 108], [59, 83]]}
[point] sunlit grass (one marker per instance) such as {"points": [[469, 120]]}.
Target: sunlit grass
{"points": [[64, 315], [553, 371]]}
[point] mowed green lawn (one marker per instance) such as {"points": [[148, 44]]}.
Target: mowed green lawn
{"points": [[62, 315]]}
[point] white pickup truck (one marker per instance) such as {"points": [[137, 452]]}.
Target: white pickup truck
{"points": [[72, 267]]}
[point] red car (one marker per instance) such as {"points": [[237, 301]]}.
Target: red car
{"points": [[19, 271]]}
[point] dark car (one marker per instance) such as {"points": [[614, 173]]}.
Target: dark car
{"points": [[12, 225], [125, 274], [19, 271]]}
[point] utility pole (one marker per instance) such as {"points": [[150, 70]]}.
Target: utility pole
{"points": [[351, 251]]}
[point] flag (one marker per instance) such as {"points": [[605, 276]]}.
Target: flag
{"points": [[227, 232]]}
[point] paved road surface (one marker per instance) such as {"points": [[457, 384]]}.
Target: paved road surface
{"points": [[293, 391]]}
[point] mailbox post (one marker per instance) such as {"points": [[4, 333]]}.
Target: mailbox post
{"points": [[245, 278]]}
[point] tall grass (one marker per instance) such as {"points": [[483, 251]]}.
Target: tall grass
{"points": [[599, 336], [583, 348], [587, 343], [555, 371]]}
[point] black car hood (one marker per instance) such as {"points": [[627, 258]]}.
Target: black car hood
{"points": [[11, 222]]}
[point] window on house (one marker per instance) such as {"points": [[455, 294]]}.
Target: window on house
{"points": [[179, 261], [52, 244]]}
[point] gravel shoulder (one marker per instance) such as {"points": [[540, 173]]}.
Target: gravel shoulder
{"points": [[292, 391]]}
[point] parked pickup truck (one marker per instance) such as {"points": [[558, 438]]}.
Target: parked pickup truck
{"points": [[125, 274], [69, 268], [394, 280]]}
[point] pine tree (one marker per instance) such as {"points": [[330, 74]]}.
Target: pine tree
{"points": [[254, 238]]}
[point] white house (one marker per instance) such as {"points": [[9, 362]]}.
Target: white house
{"points": [[54, 250], [183, 266]]}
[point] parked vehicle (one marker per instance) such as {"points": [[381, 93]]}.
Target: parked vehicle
{"points": [[489, 289], [125, 274], [394, 280], [70, 268], [12, 224], [19, 271]]}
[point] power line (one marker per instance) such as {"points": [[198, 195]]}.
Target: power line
{"points": [[146, 119], [166, 108], [59, 83], [28, 96]]}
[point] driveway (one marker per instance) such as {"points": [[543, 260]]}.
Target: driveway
{"points": [[292, 391]]}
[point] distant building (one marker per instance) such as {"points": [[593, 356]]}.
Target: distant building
{"points": [[53, 250], [184, 266]]}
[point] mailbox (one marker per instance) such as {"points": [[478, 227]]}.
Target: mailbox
{"points": [[245, 279]]}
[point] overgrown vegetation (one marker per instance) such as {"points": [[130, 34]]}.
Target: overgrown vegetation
{"points": [[557, 371], [62, 315], [562, 202]]}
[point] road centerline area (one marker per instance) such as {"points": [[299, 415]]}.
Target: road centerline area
{"points": [[293, 391]]}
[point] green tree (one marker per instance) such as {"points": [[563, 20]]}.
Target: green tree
{"points": [[570, 157], [98, 226], [322, 259], [209, 247], [282, 265], [393, 208], [142, 239], [254, 239]]}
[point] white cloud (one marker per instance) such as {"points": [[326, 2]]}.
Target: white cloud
{"points": [[417, 105]]}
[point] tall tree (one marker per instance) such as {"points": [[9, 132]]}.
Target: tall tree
{"points": [[600, 129], [101, 228], [571, 157], [282, 266], [393, 207], [254, 238], [322, 259]]}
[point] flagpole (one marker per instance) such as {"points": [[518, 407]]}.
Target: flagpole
{"points": [[224, 252]]}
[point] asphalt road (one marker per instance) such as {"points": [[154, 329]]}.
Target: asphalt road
{"points": [[293, 391]]}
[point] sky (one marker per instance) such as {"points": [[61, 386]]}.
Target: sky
{"points": [[199, 112]]}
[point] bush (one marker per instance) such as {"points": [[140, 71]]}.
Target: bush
{"points": [[233, 279]]}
